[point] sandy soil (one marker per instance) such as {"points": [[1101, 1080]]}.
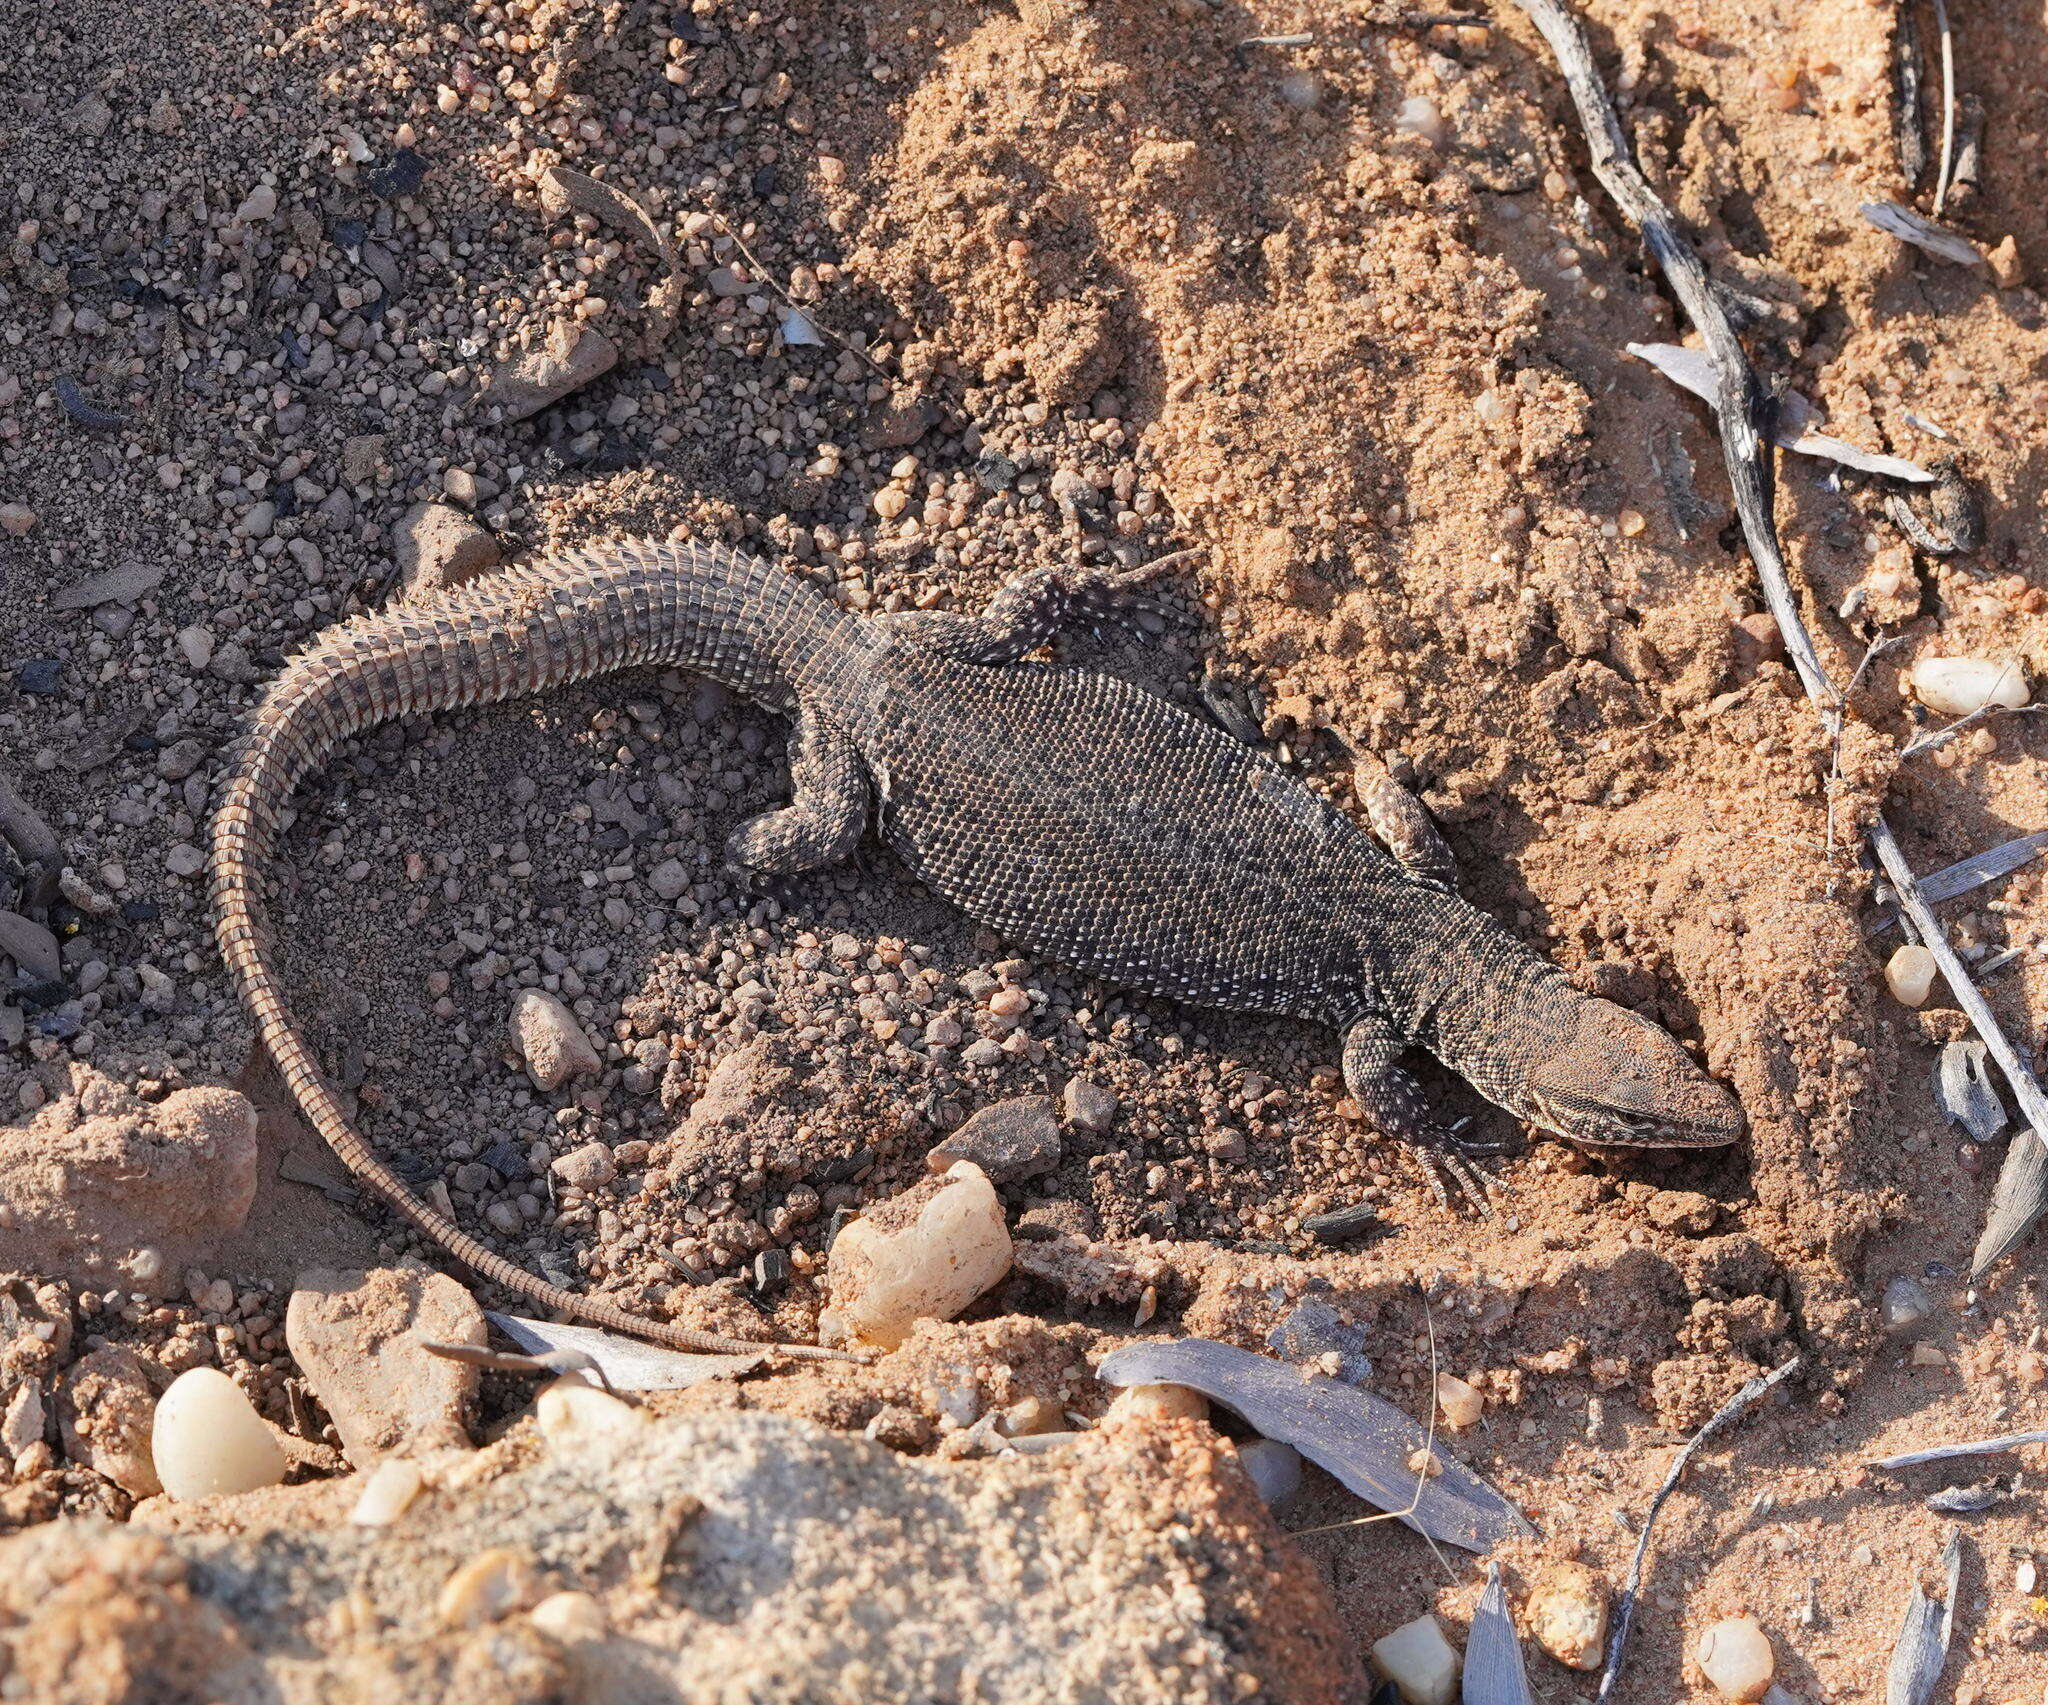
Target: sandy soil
{"points": [[1350, 317]]}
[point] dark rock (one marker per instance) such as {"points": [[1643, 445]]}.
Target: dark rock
{"points": [[1009, 1140], [40, 675]]}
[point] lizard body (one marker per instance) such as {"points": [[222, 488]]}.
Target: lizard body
{"points": [[1087, 819]]}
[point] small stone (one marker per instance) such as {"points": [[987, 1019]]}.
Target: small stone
{"points": [[184, 859], [589, 1167], [1735, 1656], [569, 1617], [207, 1439], [669, 880], [570, 357], [1910, 974], [546, 1036], [898, 421], [1088, 1106], [1419, 116], [1275, 1469], [891, 501], [258, 206], [1758, 640], [1156, 1403], [1683, 1211], [1340, 1225], [1961, 686], [1905, 1304], [489, 1586], [577, 1419], [105, 1406], [358, 1338], [40, 676], [17, 519], [1420, 1662], [438, 547], [387, 1493], [1567, 1615], [259, 519], [1460, 1404], [1008, 1140], [197, 645], [923, 1255]]}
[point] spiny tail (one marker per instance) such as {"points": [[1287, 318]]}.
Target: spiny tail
{"points": [[523, 631]]}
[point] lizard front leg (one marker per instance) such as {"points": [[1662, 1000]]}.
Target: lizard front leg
{"points": [[827, 812], [1392, 1102], [1030, 611]]}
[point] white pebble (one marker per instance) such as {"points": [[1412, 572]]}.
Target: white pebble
{"points": [[576, 1417], [1735, 1655], [1419, 117], [1567, 1615], [387, 1493], [1905, 1304], [208, 1439], [1419, 1661], [1460, 1404], [490, 1585], [924, 1255], [197, 645], [1157, 1403], [569, 1617], [1274, 1468], [1910, 974], [1958, 686]]}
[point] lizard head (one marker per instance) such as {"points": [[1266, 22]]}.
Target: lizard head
{"points": [[1615, 1079]]}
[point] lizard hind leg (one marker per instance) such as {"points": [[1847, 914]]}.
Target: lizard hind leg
{"points": [[827, 812], [1392, 1102]]}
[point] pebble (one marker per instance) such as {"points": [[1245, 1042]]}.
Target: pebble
{"points": [[491, 1585], [1460, 1404], [569, 357], [16, 519], [1735, 1656], [1340, 1225], [40, 676], [184, 859], [387, 1492], [1910, 974], [923, 1255], [1905, 1304], [577, 1417], [1088, 1106], [1567, 1615], [207, 1439], [1419, 117], [1008, 1140], [1958, 686], [669, 880], [105, 1406], [437, 547], [545, 1034], [587, 1168], [1420, 1662], [197, 645], [570, 1617], [1157, 1403], [1275, 1469]]}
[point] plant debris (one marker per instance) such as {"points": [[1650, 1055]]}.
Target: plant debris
{"points": [[1922, 1648], [1494, 1674], [1363, 1440], [1949, 1453], [562, 189], [1965, 1091], [625, 1365], [1922, 232]]}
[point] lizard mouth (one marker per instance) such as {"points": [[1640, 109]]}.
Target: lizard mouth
{"points": [[1586, 1119]]}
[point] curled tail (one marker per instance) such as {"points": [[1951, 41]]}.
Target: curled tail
{"points": [[523, 631]]}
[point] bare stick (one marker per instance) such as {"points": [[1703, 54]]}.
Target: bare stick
{"points": [[1948, 106], [1617, 1644], [1943, 735], [1744, 415]]}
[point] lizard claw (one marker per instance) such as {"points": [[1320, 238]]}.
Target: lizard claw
{"points": [[1473, 1184]]}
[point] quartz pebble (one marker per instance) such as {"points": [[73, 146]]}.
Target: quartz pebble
{"points": [[1420, 1662], [1567, 1615], [1461, 1405], [546, 1036], [1157, 1403], [569, 1617], [387, 1493], [923, 1255], [1275, 1469], [577, 1417], [1905, 1304], [490, 1585], [1959, 686], [207, 1438], [1735, 1656], [1910, 974]]}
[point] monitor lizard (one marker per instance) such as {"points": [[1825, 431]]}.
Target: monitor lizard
{"points": [[1090, 820]]}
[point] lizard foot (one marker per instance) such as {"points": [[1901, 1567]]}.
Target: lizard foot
{"points": [[1476, 1186]]}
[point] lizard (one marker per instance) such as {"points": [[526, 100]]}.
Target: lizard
{"points": [[1090, 820]]}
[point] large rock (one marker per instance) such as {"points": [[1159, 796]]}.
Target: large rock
{"points": [[357, 1338], [565, 360], [544, 1033], [106, 1189], [1137, 1566]]}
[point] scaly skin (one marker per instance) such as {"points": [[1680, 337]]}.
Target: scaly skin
{"points": [[1078, 815]]}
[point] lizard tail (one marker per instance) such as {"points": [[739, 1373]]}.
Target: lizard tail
{"points": [[519, 632]]}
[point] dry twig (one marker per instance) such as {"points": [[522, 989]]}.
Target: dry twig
{"points": [[1948, 106], [1746, 417]]}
